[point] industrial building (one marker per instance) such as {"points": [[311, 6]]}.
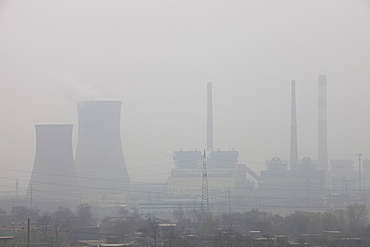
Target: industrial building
{"points": [[101, 176], [306, 178], [306, 182], [224, 175]]}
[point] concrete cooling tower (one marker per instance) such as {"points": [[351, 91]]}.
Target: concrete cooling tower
{"points": [[54, 176], [99, 158]]}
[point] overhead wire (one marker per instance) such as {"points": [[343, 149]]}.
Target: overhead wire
{"points": [[161, 193]]}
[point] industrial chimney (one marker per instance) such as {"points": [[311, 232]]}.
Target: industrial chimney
{"points": [[209, 118], [99, 158], [322, 125], [293, 131], [53, 175]]}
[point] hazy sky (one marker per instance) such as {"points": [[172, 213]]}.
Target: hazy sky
{"points": [[157, 57]]}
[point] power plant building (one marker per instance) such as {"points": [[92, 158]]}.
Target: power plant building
{"points": [[341, 167], [305, 183], [223, 172], [305, 178]]}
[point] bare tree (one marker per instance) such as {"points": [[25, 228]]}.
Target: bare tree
{"points": [[179, 215], [21, 214], [151, 228], [356, 215], [63, 220], [43, 221]]}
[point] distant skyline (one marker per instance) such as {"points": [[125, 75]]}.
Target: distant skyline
{"points": [[157, 57]]}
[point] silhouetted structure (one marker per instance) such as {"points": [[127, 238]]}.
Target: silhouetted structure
{"points": [[99, 158], [53, 175], [304, 180], [307, 182], [223, 173]]}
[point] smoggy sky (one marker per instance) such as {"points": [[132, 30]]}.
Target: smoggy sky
{"points": [[157, 57]]}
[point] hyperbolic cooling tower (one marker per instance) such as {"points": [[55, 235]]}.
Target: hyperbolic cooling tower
{"points": [[54, 176], [99, 158]]}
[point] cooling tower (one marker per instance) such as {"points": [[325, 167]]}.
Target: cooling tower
{"points": [[53, 176], [322, 125], [99, 158], [293, 131]]}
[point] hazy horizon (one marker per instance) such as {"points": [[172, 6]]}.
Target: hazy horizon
{"points": [[157, 57]]}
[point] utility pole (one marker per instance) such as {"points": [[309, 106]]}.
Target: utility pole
{"points": [[205, 201], [28, 232], [359, 173]]}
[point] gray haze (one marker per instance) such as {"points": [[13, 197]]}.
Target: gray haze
{"points": [[157, 57]]}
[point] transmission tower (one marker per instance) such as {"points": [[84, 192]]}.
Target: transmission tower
{"points": [[359, 173], [205, 202]]}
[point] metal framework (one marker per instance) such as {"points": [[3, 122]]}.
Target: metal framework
{"points": [[205, 201]]}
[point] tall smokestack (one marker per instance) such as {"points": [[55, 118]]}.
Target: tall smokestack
{"points": [[322, 124], [53, 175], [293, 131], [99, 158], [209, 117]]}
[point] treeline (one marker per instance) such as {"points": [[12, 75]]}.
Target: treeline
{"points": [[231, 229], [188, 228], [52, 227], [351, 222]]}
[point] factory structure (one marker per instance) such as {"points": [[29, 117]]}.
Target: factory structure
{"points": [[311, 182], [224, 173], [315, 183], [98, 173], [281, 180], [306, 178]]}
